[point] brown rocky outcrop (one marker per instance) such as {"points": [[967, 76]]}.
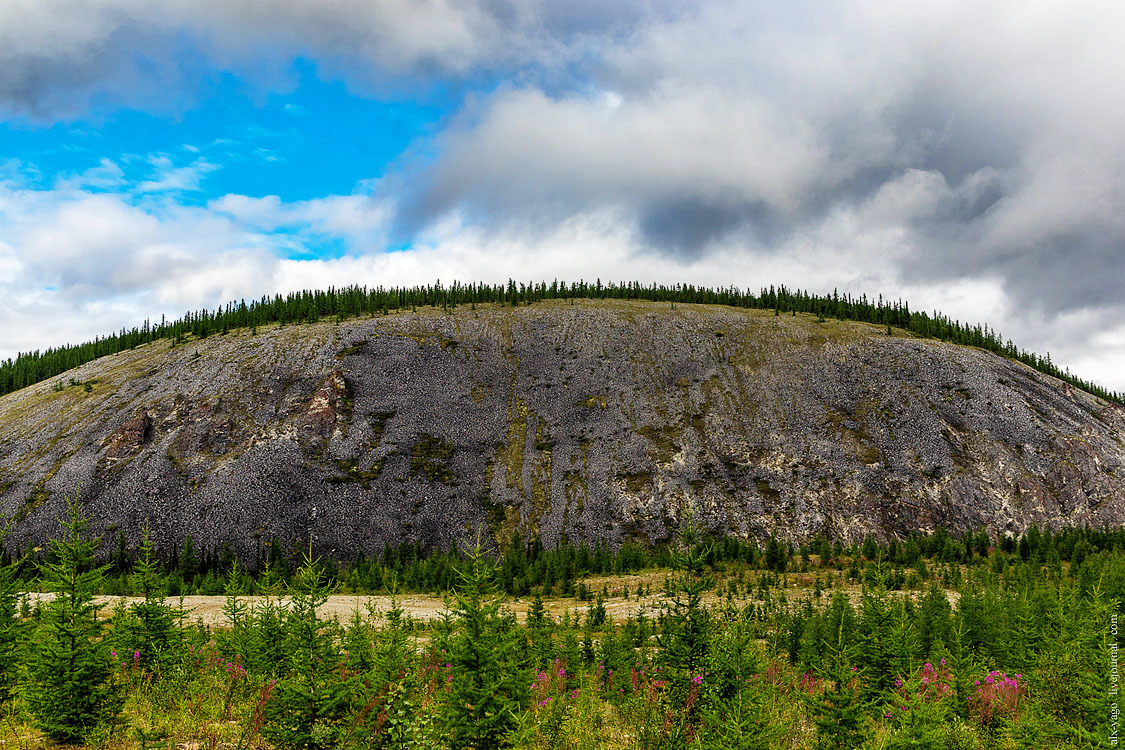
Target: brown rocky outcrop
{"points": [[328, 408], [128, 439]]}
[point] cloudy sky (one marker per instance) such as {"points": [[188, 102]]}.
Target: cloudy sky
{"points": [[158, 156]]}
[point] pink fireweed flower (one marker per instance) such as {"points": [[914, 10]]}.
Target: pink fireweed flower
{"points": [[999, 697], [933, 683], [810, 683]]}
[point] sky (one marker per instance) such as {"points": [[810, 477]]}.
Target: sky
{"points": [[159, 156]]}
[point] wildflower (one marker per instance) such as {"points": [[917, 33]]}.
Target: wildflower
{"points": [[999, 697]]}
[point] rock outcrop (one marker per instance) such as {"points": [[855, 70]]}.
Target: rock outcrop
{"points": [[598, 420]]}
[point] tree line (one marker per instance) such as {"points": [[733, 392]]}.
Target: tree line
{"points": [[355, 301], [525, 566]]}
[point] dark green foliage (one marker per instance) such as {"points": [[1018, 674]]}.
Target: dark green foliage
{"points": [[529, 567], [11, 632], [539, 628], [487, 689], [310, 306], [596, 614], [935, 624], [839, 710], [310, 704], [68, 687], [734, 702], [776, 558], [766, 667], [685, 623], [267, 634], [149, 627], [236, 642], [919, 720], [875, 649]]}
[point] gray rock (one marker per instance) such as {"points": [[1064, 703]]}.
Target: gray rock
{"points": [[597, 420]]}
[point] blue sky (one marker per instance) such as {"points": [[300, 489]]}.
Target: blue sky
{"points": [[316, 139], [158, 156]]}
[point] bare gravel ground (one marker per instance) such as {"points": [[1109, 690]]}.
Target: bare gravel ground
{"points": [[424, 607]]}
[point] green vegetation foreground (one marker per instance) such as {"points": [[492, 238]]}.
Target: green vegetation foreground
{"points": [[788, 657]]}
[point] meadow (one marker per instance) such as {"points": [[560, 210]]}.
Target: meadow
{"points": [[707, 643]]}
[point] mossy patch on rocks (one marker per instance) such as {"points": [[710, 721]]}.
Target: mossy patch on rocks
{"points": [[350, 473], [430, 459]]}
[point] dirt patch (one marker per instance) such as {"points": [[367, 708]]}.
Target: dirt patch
{"points": [[423, 608]]}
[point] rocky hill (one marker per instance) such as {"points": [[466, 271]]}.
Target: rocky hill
{"points": [[600, 420]]}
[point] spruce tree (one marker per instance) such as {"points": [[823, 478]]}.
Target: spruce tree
{"points": [[150, 630], [68, 688], [487, 689], [266, 646], [838, 712], [11, 630], [237, 640], [538, 631], [308, 707], [686, 627]]}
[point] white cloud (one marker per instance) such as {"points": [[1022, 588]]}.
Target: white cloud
{"points": [[966, 157], [169, 177], [76, 264]]}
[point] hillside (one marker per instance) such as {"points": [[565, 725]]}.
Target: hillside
{"points": [[597, 419]]}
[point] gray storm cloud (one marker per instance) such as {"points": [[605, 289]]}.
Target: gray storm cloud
{"points": [[57, 57], [966, 142], [721, 123]]}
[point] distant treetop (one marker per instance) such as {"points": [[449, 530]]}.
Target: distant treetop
{"points": [[355, 301]]}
